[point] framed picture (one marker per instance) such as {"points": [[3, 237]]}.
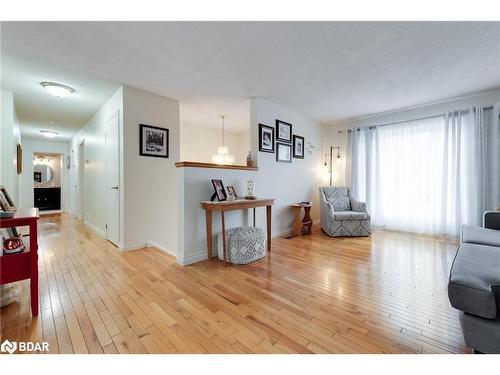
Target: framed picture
{"points": [[298, 147], [283, 152], [5, 200], [283, 131], [68, 161], [219, 190], [231, 193], [19, 159], [266, 138], [153, 141]]}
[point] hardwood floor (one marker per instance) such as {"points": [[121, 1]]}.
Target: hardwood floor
{"points": [[313, 294]]}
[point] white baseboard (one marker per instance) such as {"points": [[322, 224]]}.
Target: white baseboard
{"points": [[91, 226], [194, 258], [161, 248], [132, 246], [50, 212], [202, 255]]}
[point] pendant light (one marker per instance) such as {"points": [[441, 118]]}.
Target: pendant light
{"points": [[223, 156]]}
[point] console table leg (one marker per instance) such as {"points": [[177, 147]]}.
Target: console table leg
{"points": [[223, 238], [208, 216], [268, 217], [34, 268]]}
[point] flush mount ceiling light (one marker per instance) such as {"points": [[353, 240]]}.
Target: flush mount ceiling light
{"points": [[58, 90], [49, 133]]}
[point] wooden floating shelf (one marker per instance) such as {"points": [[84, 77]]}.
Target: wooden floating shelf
{"points": [[195, 164]]}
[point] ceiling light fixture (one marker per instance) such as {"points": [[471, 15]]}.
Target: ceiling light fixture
{"points": [[58, 90], [223, 156], [49, 133]]}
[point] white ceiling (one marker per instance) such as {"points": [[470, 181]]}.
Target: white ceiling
{"points": [[327, 70], [206, 111]]}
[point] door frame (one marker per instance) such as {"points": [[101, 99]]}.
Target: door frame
{"points": [[80, 198], [115, 113]]}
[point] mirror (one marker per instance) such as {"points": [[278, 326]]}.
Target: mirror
{"points": [[42, 173]]}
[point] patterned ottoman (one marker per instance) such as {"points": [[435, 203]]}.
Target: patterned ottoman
{"points": [[244, 245]]}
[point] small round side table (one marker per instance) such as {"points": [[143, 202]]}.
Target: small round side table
{"points": [[302, 227]]}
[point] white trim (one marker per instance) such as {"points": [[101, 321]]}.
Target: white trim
{"points": [[132, 246], [281, 232], [202, 255], [50, 212], [195, 258], [96, 229], [161, 248]]}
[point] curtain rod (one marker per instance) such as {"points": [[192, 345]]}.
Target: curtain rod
{"points": [[414, 119]]}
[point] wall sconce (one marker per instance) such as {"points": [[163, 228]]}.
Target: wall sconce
{"points": [[329, 161]]}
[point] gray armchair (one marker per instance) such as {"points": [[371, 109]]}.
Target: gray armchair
{"points": [[342, 214]]}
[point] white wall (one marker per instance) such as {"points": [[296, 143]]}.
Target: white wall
{"points": [[150, 191], [194, 186], [288, 183], [199, 143], [92, 134], [30, 146], [9, 137], [331, 135]]}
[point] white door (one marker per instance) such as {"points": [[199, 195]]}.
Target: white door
{"points": [[112, 147], [80, 187]]}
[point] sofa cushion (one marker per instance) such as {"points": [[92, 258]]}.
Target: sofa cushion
{"points": [[474, 280], [480, 236], [349, 215]]}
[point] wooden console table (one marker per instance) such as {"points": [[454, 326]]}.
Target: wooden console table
{"points": [[238, 204], [23, 265], [301, 227]]}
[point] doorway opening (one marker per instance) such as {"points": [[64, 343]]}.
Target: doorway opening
{"points": [[47, 182]]}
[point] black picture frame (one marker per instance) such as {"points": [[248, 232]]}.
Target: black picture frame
{"points": [[264, 129], [280, 146], [280, 126], [220, 192], [298, 153], [158, 145]]}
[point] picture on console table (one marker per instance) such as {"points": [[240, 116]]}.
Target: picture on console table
{"points": [[231, 193], [283, 131], [220, 192], [153, 141], [266, 138], [298, 147], [283, 152]]}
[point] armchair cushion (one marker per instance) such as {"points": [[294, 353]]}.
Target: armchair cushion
{"points": [[349, 215], [338, 198]]}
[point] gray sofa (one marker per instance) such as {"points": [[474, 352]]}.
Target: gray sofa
{"points": [[474, 284], [341, 214]]}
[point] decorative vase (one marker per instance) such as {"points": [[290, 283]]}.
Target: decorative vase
{"points": [[249, 159]]}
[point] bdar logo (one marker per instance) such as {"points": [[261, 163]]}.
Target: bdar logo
{"points": [[9, 347]]}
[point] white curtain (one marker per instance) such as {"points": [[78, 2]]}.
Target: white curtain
{"points": [[421, 175]]}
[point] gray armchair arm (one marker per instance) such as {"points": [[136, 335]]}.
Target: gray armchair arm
{"points": [[491, 220], [357, 205]]}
